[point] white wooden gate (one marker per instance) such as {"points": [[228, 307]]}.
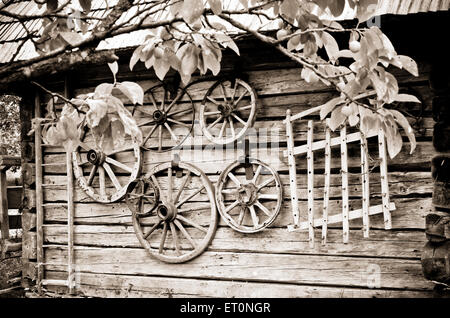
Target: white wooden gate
{"points": [[327, 144]]}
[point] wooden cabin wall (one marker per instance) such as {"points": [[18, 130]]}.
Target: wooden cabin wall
{"points": [[109, 260]]}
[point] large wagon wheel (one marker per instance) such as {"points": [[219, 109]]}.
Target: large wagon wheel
{"points": [[227, 104], [168, 121], [105, 175], [185, 211], [251, 202]]}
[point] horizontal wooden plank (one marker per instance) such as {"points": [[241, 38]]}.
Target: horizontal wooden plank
{"points": [[381, 243], [410, 213], [109, 286], [214, 159], [276, 268]]}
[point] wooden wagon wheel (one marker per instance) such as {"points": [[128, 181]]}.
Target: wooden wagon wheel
{"points": [[142, 197], [180, 214], [227, 104], [105, 175], [251, 202], [168, 121]]}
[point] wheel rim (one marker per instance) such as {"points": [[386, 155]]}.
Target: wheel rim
{"points": [[105, 175], [226, 105], [179, 228], [249, 203], [167, 121]]}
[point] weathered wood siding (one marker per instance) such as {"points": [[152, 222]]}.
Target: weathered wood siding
{"points": [[274, 263]]}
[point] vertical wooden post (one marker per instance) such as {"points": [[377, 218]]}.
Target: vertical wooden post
{"points": [[327, 175], [292, 168], [344, 174], [310, 161], [365, 185], [39, 195], [384, 180], [70, 207], [4, 221]]}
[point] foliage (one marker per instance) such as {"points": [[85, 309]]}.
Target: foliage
{"points": [[10, 124], [190, 35]]}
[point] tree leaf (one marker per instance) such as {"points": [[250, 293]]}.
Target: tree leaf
{"points": [[244, 3], [103, 89], [337, 118], [336, 7], [331, 46], [227, 42], [399, 118], [191, 10], [133, 91], [135, 57], [52, 5], [406, 98], [329, 106], [161, 67], [366, 9], [114, 67], [216, 6], [97, 110], [409, 64]]}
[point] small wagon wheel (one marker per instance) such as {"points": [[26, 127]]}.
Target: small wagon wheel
{"points": [[142, 197], [105, 175], [182, 226], [227, 111], [251, 202], [167, 121]]}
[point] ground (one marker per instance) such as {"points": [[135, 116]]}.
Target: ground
{"points": [[9, 268]]}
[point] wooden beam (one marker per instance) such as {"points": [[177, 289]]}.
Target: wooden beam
{"points": [[310, 159], [39, 194], [327, 176], [365, 185], [344, 173], [384, 179], [4, 220], [292, 168], [9, 161]]}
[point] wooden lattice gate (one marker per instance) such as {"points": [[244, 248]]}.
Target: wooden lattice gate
{"points": [[342, 140]]}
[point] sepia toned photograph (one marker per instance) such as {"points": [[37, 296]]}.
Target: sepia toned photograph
{"points": [[246, 151]]}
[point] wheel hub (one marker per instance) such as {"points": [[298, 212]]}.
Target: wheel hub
{"points": [[167, 212], [95, 157], [225, 109], [247, 194], [159, 117]]}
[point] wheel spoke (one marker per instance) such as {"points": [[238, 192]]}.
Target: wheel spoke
{"points": [[224, 95], [233, 132], [179, 112], [244, 107], [185, 233], [153, 101], [172, 134], [233, 95], [255, 218], [110, 153], [256, 175], [174, 101], [263, 208], [268, 196], [234, 179], [150, 121], [92, 175], [191, 223], [215, 112], [84, 146], [239, 119], [222, 130], [185, 182], [213, 100], [163, 102], [179, 123], [214, 123], [152, 229], [160, 138], [112, 176], [101, 178], [196, 208], [266, 183], [118, 164], [240, 97], [163, 239], [149, 134], [241, 215], [189, 197], [231, 206], [175, 238]]}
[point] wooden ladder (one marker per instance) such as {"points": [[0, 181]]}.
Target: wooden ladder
{"points": [[327, 144], [40, 220]]}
